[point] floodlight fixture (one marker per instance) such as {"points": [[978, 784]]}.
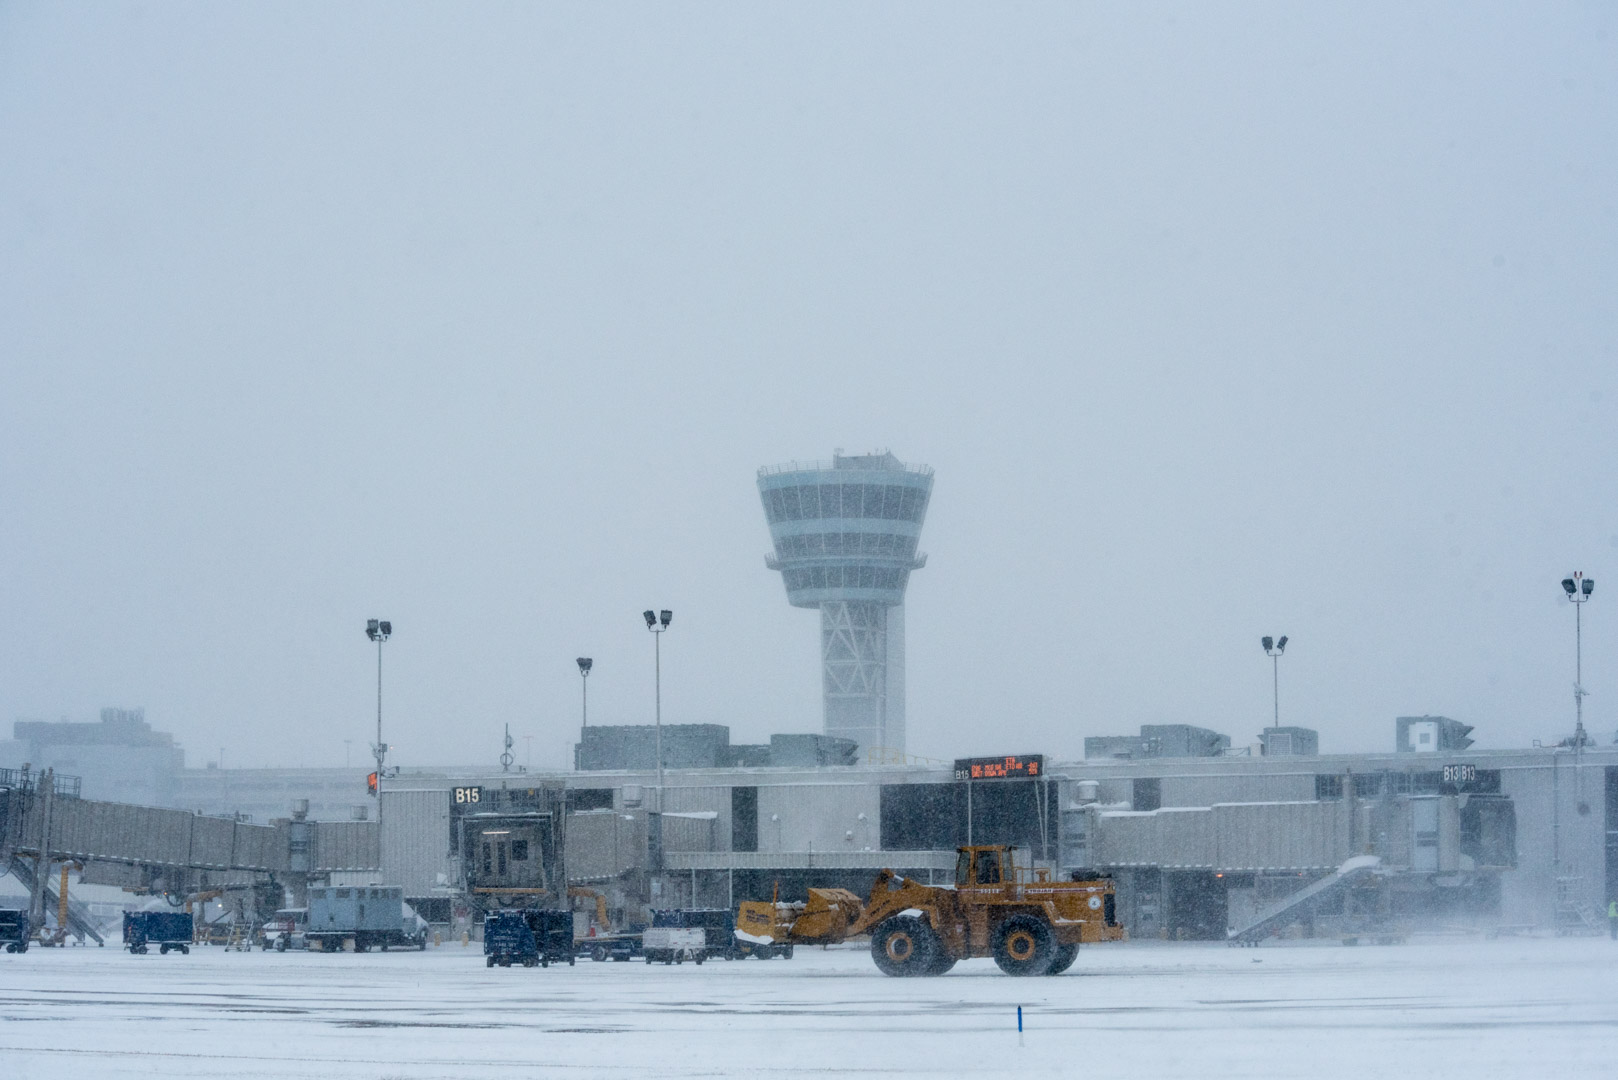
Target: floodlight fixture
{"points": [[585, 664], [1273, 649], [652, 624], [1578, 589], [379, 630]]}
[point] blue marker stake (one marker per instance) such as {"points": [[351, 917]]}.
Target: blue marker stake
{"points": [[1019, 1019]]}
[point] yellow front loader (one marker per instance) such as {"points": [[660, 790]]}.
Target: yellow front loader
{"points": [[1030, 927]]}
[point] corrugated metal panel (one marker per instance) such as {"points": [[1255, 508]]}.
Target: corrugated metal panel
{"points": [[416, 840], [810, 860], [1225, 837], [211, 842], [601, 844], [90, 830], [1281, 836], [1227, 788], [691, 833], [698, 800], [819, 817], [346, 845], [1178, 838], [260, 847]]}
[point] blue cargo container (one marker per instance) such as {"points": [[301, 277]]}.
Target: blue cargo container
{"points": [[14, 930], [165, 929], [529, 936]]}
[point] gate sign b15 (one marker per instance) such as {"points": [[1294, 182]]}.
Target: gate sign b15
{"points": [[1010, 767], [465, 795]]}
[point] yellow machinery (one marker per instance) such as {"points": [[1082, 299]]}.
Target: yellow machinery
{"points": [[1031, 927], [579, 892], [769, 928]]}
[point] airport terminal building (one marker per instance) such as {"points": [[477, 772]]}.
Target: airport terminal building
{"points": [[1199, 846], [1200, 842]]}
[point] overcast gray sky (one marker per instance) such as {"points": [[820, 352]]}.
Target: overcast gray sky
{"points": [[1216, 321]]}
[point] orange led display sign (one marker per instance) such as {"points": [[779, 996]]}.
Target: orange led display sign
{"points": [[1011, 767]]}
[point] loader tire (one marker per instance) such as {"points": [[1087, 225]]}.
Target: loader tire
{"points": [[1024, 945], [941, 963], [1065, 955], [905, 946]]}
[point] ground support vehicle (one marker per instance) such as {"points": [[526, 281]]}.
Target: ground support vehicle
{"points": [[507, 940], [674, 944], [768, 928], [14, 930], [360, 918], [1030, 927], [286, 929], [609, 947], [529, 937], [165, 929], [717, 926]]}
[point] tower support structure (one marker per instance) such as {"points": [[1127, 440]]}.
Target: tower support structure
{"points": [[845, 535]]}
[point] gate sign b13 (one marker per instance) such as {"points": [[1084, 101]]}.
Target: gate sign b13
{"points": [[1011, 767]]}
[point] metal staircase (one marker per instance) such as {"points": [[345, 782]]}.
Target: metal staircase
{"points": [[79, 922], [1288, 910]]}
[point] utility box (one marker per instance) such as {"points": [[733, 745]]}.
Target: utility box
{"points": [[353, 908], [1431, 735], [1293, 741], [361, 916]]}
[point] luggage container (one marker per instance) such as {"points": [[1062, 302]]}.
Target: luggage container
{"points": [[165, 929], [674, 944], [717, 926], [528, 936], [14, 930]]}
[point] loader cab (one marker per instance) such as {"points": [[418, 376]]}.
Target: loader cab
{"points": [[976, 866]]}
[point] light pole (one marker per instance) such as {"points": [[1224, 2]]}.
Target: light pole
{"points": [[379, 630], [657, 623], [1578, 589], [1273, 649], [585, 664]]}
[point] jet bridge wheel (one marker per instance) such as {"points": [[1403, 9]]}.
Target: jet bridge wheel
{"points": [[1024, 946], [905, 946]]}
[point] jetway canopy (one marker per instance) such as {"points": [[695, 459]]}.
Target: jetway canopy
{"points": [[89, 831]]}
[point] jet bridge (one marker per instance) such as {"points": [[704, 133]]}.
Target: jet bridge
{"points": [[149, 849]]}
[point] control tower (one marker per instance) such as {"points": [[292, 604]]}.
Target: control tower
{"points": [[845, 535]]}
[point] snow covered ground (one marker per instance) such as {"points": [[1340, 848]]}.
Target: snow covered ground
{"points": [[1434, 1008]]}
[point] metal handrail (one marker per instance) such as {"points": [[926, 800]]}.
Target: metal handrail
{"points": [[27, 780], [831, 466]]}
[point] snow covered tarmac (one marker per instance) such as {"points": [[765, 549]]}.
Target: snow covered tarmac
{"points": [[1433, 1008]]}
